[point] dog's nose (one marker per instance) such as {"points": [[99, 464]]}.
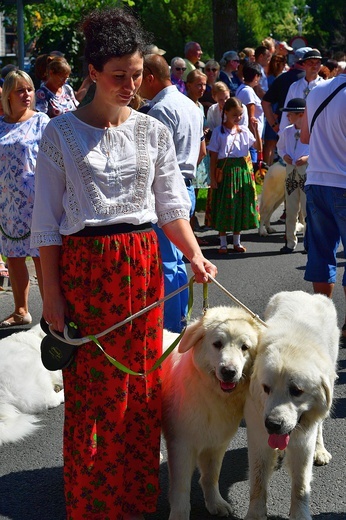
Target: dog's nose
{"points": [[228, 374], [272, 425]]}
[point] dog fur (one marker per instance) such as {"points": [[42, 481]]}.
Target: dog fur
{"points": [[273, 194], [26, 387], [204, 389], [291, 392]]}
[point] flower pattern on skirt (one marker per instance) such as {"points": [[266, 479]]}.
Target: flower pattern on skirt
{"points": [[112, 419], [234, 204]]}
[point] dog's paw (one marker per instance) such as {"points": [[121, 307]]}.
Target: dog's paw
{"points": [[271, 230], [257, 511], [322, 457], [262, 231], [219, 507], [300, 228]]}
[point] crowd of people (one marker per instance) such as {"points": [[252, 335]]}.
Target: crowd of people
{"points": [[99, 187]]}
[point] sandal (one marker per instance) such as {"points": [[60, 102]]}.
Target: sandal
{"points": [[239, 249], [16, 320], [3, 270], [223, 250]]}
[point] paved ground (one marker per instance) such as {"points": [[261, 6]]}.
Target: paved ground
{"points": [[31, 470]]}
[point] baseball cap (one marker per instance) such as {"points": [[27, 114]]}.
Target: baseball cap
{"points": [[295, 105], [299, 53], [286, 46]]}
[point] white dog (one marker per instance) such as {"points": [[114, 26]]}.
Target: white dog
{"points": [[26, 387], [204, 390], [273, 194], [291, 392]]}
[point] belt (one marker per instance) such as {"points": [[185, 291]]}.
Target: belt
{"points": [[112, 229]]}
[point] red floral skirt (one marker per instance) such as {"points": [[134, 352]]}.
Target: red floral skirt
{"points": [[112, 419]]}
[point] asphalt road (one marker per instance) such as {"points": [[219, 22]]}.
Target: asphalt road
{"points": [[31, 471]]}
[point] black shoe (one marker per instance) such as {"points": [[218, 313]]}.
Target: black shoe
{"points": [[286, 250]]}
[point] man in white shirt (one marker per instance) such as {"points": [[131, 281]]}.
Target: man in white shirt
{"points": [[326, 184], [185, 122], [311, 62]]}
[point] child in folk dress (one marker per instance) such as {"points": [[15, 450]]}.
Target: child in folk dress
{"points": [[296, 155], [234, 201]]}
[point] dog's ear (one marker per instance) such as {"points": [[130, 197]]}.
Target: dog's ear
{"points": [[327, 390], [193, 334]]}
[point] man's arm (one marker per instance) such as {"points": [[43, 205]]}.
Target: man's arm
{"points": [[270, 116]]}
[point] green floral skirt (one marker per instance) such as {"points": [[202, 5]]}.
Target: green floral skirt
{"points": [[234, 203]]}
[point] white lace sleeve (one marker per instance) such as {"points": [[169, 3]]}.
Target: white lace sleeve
{"points": [[49, 192]]}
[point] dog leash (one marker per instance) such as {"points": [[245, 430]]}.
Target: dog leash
{"points": [[238, 302], [94, 338]]}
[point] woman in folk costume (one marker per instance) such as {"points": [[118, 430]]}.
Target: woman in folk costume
{"points": [[104, 173]]}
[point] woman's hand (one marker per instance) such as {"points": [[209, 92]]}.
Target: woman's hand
{"points": [[180, 233], [201, 267], [54, 309], [54, 303]]}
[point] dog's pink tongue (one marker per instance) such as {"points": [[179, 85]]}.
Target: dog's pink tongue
{"points": [[227, 387], [278, 441]]}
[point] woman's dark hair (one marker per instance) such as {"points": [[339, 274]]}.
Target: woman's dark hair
{"points": [[232, 102], [112, 33], [250, 71]]}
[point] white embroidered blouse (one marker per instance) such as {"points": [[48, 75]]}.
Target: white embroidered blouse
{"points": [[87, 176]]}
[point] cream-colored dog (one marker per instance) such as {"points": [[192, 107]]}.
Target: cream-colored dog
{"points": [[291, 393], [26, 387], [273, 194], [204, 390]]}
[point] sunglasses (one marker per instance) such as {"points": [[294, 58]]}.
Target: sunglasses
{"points": [[238, 61], [209, 70], [180, 68]]}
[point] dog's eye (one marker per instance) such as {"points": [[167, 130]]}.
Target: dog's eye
{"points": [[266, 389], [217, 344], [244, 347], [295, 391]]}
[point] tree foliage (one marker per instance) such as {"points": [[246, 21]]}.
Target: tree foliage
{"points": [[218, 25]]}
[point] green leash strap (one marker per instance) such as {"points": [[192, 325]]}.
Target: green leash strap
{"points": [[205, 298], [167, 352]]}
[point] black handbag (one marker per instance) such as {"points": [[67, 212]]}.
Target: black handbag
{"points": [[57, 354]]}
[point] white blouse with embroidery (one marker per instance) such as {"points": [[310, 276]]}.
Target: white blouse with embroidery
{"points": [[87, 176]]}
